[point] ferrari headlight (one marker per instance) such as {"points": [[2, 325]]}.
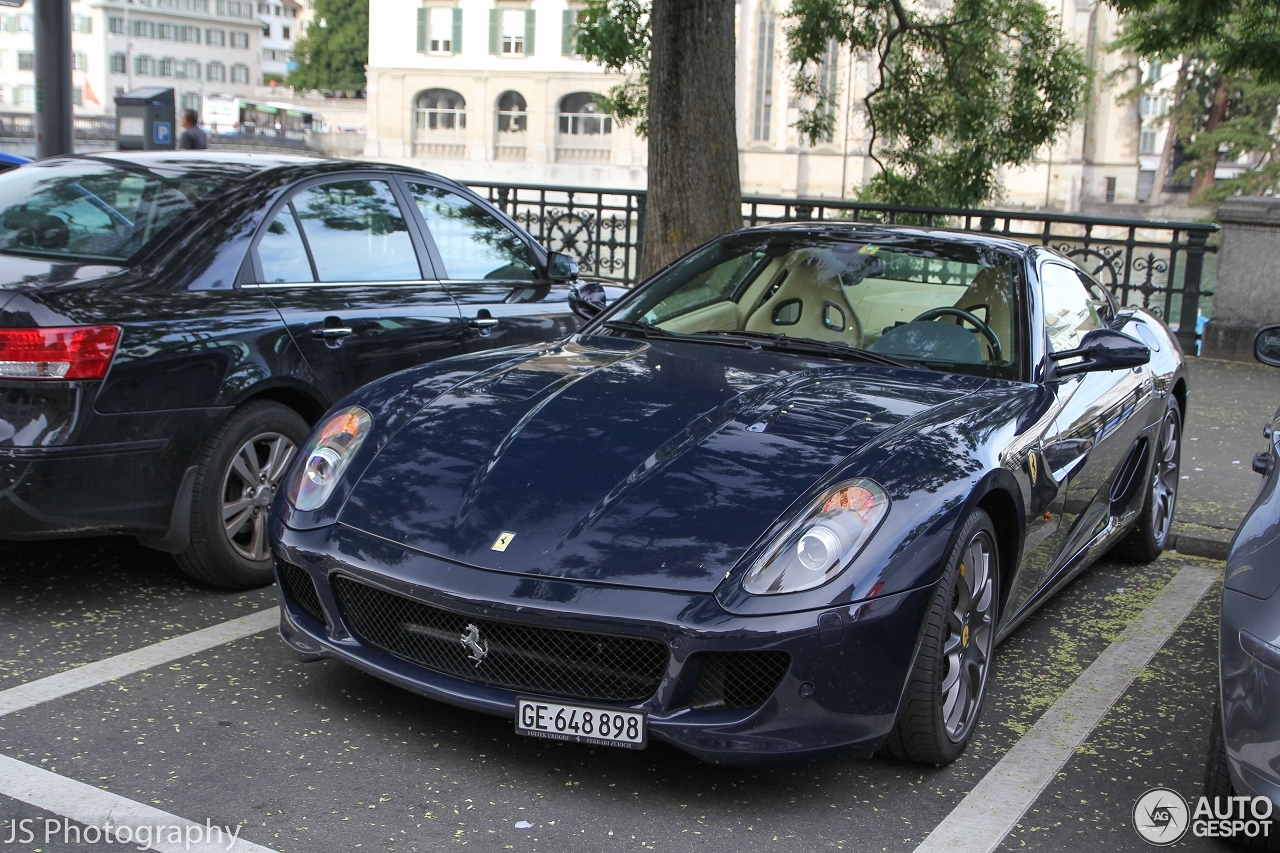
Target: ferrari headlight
{"points": [[328, 456], [822, 542]]}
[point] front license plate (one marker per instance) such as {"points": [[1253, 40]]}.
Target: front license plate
{"points": [[580, 723]]}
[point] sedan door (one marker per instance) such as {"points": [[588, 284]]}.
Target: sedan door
{"points": [[354, 283], [494, 273]]}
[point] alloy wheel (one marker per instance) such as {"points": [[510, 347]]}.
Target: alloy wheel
{"points": [[248, 487], [1164, 480], [970, 635]]}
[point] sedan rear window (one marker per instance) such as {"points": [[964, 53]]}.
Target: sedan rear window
{"points": [[96, 210]]}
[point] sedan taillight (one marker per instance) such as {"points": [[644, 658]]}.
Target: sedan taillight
{"points": [[69, 352]]}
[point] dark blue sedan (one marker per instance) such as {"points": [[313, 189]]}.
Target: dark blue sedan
{"points": [[781, 500]]}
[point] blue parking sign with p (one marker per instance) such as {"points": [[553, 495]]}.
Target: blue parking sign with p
{"points": [[162, 133]]}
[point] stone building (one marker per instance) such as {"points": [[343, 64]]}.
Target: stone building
{"points": [[492, 90]]}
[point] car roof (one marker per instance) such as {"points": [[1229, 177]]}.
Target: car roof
{"points": [[873, 229], [249, 164]]}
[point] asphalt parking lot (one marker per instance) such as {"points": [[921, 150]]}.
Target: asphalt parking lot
{"points": [[319, 757]]}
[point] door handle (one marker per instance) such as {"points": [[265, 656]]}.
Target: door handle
{"points": [[484, 322], [332, 332]]}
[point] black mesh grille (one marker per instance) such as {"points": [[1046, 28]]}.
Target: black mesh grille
{"points": [[738, 679], [574, 664], [302, 588]]}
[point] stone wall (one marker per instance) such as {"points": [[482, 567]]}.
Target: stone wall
{"points": [[1247, 295]]}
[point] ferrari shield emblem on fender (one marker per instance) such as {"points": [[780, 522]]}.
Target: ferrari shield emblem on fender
{"points": [[476, 648], [1031, 465], [503, 540]]}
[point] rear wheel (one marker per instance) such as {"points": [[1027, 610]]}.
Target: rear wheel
{"points": [[238, 476], [948, 680], [1217, 785], [1150, 534]]}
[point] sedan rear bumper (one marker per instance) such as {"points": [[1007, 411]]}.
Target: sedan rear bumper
{"points": [[839, 693]]}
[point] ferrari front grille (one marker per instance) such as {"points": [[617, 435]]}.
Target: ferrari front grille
{"points": [[548, 661], [738, 679], [301, 588]]}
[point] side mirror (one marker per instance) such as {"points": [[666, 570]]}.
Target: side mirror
{"points": [[561, 267], [1101, 349], [586, 299], [1266, 346]]}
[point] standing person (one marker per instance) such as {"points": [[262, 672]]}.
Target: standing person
{"points": [[192, 136]]}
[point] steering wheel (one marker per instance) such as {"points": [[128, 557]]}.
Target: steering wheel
{"points": [[968, 317]]}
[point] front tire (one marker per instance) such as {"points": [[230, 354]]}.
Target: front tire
{"points": [[1217, 784], [947, 683], [1151, 532], [237, 477]]}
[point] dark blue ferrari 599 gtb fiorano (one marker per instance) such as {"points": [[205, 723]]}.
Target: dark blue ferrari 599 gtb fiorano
{"points": [[780, 501]]}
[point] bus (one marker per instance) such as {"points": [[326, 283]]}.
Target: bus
{"points": [[227, 115]]}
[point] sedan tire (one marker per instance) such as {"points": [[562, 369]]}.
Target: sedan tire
{"points": [[944, 692], [1217, 785], [237, 477]]}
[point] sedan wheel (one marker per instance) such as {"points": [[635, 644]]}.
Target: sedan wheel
{"points": [[248, 488], [944, 691], [237, 477]]}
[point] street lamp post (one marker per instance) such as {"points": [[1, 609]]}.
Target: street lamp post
{"points": [[53, 77]]}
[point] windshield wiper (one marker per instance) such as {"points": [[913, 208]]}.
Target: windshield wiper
{"points": [[646, 329], [785, 342]]}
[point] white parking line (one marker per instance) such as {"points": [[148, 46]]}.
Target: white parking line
{"points": [[94, 807], [92, 674], [983, 818]]}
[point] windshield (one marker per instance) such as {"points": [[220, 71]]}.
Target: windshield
{"points": [[949, 306], [96, 210]]}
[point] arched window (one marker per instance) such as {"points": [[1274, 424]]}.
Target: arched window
{"points": [[439, 110], [764, 72], [513, 114], [583, 114]]}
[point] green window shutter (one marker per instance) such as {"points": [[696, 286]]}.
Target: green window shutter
{"points": [[567, 47], [493, 31], [528, 32], [422, 30], [457, 31]]}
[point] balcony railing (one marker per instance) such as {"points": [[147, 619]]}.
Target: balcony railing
{"points": [[1168, 267]]}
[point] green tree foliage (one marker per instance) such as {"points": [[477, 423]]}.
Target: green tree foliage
{"points": [[1227, 104], [962, 91], [616, 34], [332, 57], [1244, 35]]}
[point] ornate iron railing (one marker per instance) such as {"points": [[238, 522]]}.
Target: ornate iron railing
{"points": [[1168, 267]]}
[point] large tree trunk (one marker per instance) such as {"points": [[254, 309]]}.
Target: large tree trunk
{"points": [[1205, 171], [694, 192]]}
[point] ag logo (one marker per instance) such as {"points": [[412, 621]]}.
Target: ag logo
{"points": [[1161, 816]]}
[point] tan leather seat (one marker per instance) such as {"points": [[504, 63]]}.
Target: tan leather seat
{"points": [[809, 303], [988, 296]]}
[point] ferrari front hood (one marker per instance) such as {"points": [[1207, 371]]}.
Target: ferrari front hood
{"points": [[653, 464]]}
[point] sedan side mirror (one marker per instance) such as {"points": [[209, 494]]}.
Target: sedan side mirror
{"points": [[1101, 349], [587, 299], [561, 267], [1266, 346]]}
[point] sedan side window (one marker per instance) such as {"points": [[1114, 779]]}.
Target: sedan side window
{"points": [[281, 251], [1069, 313], [473, 243], [356, 232]]}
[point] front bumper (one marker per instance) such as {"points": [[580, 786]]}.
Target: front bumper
{"points": [[1251, 696], [839, 694]]}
